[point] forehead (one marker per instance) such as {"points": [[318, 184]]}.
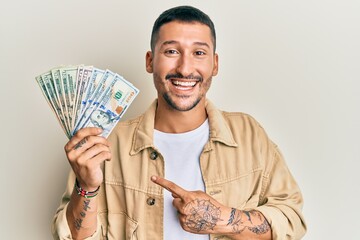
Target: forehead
{"points": [[185, 33]]}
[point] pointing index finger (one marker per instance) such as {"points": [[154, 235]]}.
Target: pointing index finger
{"points": [[170, 186]]}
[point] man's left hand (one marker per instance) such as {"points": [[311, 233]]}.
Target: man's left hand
{"points": [[198, 212]]}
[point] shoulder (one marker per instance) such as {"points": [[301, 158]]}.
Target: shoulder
{"points": [[232, 119], [245, 126], [240, 119], [238, 116]]}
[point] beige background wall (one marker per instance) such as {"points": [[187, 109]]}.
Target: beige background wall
{"points": [[293, 65]]}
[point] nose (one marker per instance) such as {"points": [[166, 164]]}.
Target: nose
{"points": [[185, 65]]}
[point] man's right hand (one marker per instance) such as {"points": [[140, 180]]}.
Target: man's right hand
{"points": [[85, 152]]}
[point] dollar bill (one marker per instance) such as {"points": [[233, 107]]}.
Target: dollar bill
{"points": [[96, 77], [78, 81], [59, 92], [84, 96], [96, 98], [50, 90], [114, 104], [48, 100], [68, 77]]}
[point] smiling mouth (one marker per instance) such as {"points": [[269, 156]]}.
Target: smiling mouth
{"points": [[184, 83]]}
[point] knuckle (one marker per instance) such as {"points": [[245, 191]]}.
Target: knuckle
{"points": [[107, 155], [78, 134], [104, 155], [105, 148], [182, 223], [89, 139], [88, 166], [99, 148], [81, 160], [82, 133], [70, 156]]}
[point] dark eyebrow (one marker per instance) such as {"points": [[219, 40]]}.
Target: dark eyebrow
{"points": [[202, 44], [176, 42], [169, 42]]}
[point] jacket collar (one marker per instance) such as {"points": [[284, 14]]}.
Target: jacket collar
{"points": [[219, 129]]}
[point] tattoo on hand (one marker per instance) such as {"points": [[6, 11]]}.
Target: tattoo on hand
{"points": [[203, 215], [232, 215], [239, 226], [78, 221], [80, 144]]}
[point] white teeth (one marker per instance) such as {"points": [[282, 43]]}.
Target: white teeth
{"points": [[184, 84]]}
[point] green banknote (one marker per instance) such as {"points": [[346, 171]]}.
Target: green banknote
{"points": [[85, 96]]}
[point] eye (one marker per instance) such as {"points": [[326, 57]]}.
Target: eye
{"points": [[200, 53], [171, 52]]}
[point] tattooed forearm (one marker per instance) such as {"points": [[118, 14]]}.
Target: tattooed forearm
{"points": [[78, 221], [261, 229], [203, 215], [239, 225], [236, 224]]}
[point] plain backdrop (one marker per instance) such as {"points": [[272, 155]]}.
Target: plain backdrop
{"points": [[293, 65]]}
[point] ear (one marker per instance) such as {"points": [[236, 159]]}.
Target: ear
{"points": [[216, 65], [149, 62]]}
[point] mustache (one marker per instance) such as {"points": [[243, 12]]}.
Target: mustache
{"points": [[179, 75]]}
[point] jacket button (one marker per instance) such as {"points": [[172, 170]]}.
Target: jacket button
{"points": [[153, 155], [150, 201]]}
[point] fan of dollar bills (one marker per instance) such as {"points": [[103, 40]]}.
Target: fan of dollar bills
{"points": [[85, 96]]}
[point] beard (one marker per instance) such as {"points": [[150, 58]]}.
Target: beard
{"points": [[173, 105], [183, 108]]}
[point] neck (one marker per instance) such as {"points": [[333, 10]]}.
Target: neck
{"points": [[173, 121]]}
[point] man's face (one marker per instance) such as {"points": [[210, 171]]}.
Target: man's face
{"points": [[183, 63]]}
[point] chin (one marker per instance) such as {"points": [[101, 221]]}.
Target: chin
{"points": [[183, 106]]}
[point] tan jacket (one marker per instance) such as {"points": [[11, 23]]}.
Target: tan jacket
{"points": [[240, 166]]}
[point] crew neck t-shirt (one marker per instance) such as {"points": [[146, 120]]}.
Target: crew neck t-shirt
{"points": [[181, 152]]}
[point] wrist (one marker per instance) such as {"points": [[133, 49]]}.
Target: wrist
{"points": [[86, 193], [230, 218]]}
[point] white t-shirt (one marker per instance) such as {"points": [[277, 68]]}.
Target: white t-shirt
{"points": [[181, 155]]}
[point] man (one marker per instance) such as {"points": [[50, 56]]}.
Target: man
{"points": [[243, 187]]}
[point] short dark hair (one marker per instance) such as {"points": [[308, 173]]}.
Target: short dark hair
{"points": [[186, 14]]}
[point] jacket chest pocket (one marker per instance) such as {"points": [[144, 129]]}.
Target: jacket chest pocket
{"points": [[120, 227], [241, 192]]}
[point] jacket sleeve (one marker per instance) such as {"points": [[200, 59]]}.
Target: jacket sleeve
{"points": [[60, 228], [281, 200]]}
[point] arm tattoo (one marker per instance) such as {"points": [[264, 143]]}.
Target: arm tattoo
{"points": [[203, 215], [80, 144], [261, 229], [78, 221], [232, 215], [238, 225]]}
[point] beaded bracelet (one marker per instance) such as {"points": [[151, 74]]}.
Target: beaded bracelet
{"points": [[84, 193]]}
